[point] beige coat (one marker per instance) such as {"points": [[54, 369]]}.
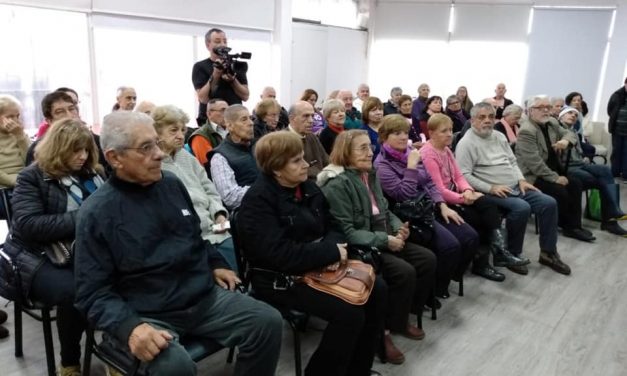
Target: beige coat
{"points": [[13, 149], [532, 152]]}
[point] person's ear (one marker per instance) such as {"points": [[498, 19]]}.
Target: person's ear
{"points": [[113, 158]]}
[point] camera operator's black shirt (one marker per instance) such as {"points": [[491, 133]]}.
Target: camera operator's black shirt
{"points": [[201, 73]]}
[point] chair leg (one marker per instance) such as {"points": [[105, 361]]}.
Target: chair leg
{"points": [[17, 317], [460, 292], [47, 324], [229, 358], [89, 343], [434, 314], [297, 355], [535, 216]]}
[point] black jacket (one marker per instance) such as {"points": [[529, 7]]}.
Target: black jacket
{"points": [[617, 100], [279, 232], [40, 217]]}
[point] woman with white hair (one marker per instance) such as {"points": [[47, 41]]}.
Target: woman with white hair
{"points": [[13, 144], [170, 124], [334, 114]]}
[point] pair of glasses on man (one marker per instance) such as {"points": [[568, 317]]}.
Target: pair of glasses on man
{"points": [[148, 147]]}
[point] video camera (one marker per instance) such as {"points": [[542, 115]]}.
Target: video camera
{"points": [[229, 63]]}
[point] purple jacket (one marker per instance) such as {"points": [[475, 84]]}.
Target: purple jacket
{"points": [[401, 183]]}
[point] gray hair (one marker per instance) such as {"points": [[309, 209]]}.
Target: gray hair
{"points": [[7, 100], [295, 108], [479, 106], [232, 112], [451, 98], [122, 89], [512, 109], [396, 89], [117, 128], [534, 99], [330, 105], [554, 100]]}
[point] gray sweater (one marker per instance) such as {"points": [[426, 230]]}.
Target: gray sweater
{"points": [[487, 161]]}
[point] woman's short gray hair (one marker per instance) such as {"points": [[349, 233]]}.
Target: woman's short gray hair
{"points": [[512, 109], [330, 106], [117, 127]]}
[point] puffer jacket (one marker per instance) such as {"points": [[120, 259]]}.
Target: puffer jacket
{"points": [[351, 208], [40, 217]]}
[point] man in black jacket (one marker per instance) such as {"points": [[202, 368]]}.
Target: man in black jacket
{"points": [[144, 273], [617, 111]]}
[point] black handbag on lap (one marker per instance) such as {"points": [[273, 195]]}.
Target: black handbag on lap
{"points": [[419, 212]]}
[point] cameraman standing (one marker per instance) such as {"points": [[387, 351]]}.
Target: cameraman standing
{"points": [[211, 78]]}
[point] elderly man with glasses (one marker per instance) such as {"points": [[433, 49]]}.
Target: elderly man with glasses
{"points": [[489, 165], [539, 149]]}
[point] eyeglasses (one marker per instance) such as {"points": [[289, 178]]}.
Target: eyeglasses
{"points": [[148, 148], [365, 148], [541, 108], [483, 117], [453, 103], [217, 110]]}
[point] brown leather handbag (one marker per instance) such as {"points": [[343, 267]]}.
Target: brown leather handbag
{"points": [[351, 282]]}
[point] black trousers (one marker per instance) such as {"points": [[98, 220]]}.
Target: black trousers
{"points": [[568, 199], [55, 286], [349, 341], [409, 275]]}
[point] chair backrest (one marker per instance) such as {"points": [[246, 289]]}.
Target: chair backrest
{"points": [[242, 263]]}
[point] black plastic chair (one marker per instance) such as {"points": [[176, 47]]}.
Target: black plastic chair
{"points": [[38, 311]]}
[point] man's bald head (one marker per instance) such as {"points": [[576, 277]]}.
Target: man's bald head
{"points": [[301, 117], [346, 96]]}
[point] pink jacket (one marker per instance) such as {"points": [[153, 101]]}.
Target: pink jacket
{"points": [[443, 170]]}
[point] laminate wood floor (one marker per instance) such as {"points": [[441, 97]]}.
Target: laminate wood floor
{"points": [[540, 324]]}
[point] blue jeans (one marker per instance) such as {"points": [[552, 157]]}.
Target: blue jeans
{"points": [[600, 177], [227, 250], [618, 159], [518, 207]]}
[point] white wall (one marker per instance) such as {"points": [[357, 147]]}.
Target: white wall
{"points": [[326, 58]]}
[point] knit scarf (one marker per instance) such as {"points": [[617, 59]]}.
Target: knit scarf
{"points": [[336, 129], [395, 154]]}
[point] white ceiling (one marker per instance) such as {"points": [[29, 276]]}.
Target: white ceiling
{"points": [[587, 3]]}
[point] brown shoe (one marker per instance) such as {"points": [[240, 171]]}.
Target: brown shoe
{"points": [[553, 261], [392, 353], [522, 270], [414, 333]]}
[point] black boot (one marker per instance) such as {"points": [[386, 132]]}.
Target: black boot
{"points": [[501, 256], [481, 266]]}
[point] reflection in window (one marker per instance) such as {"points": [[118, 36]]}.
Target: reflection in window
{"points": [[43, 50]]}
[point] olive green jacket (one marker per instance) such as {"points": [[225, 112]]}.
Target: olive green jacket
{"points": [[351, 208]]}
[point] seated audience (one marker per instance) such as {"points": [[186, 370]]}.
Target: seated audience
{"points": [[284, 203], [361, 213], [420, 103], [125, 99], [210, 134], [489, 165], [269, 93], [472, 206], [311, 96], [353, 116], [575, 99], [46, 199], [454, 110], [391, 106], [508, 124], [334, 114], [169, 122], [404, 107], [56, 106], [372, 117], [466, 103], [301, 115], [231, 165], [403, 177], [594, 176], [433, 106], [13, 144], [500, 102], [541, 141], [363, 93], [43, 127], [266, 117], [145, 275]]}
